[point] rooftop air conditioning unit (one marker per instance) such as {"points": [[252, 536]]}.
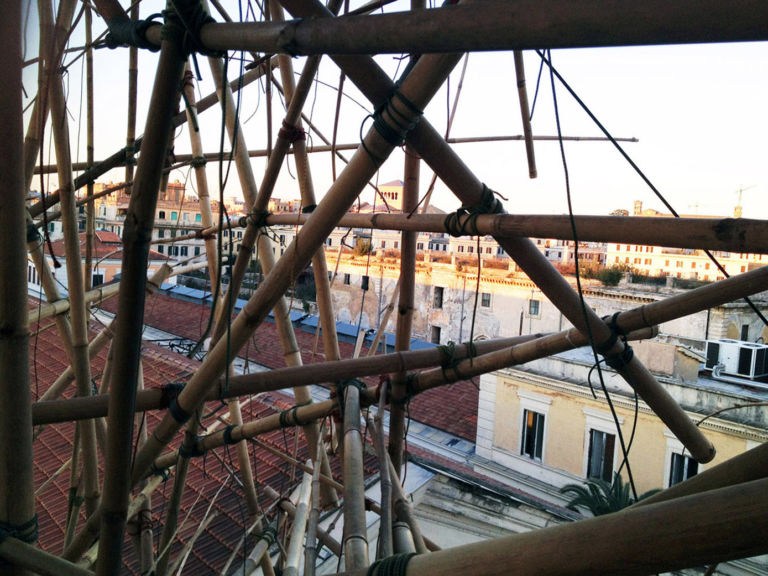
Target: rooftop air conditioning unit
{"points": [[745, 359]]}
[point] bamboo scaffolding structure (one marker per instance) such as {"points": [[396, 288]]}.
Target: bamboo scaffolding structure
{"points": [[336, 202], [728, 234], [290, 509], [404, 309], [714, 526], [75, 284], [296, 543], [492, 25], [131, 305], [17, 499], [522, 94], [90, 530], [48, 412], [471, 191], [120, 157], [532, 350]]}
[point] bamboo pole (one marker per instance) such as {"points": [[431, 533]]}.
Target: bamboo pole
{"points": [[48, 412], [206, 214], [729, 234], [310, 549], [296, 543], [385, 547], [17, 499], [385, 319], [27, 559], [402, 538], [75, 283], [404, 309], [525, 113], [127, 340], [715, 526], [133, 85], [355, 537], [492, 25], [90, 211], [296, 97]]}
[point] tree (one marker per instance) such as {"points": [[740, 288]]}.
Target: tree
{"points": [[600, 497]]}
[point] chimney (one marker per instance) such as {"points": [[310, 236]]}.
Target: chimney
{"points": [[638, 208]]}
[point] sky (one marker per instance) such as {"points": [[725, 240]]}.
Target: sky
{"points": [[697, 111]]}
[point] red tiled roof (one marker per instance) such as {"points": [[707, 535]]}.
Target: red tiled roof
{"points": [[105, 245], [53, 447], [450, 408]]}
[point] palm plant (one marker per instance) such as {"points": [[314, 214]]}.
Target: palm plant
{"points": [[600, 497]]}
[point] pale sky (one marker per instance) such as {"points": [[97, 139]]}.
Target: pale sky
{"points": [[698, 111]]}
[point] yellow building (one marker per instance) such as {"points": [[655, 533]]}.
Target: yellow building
{"points": [[543, 424]]}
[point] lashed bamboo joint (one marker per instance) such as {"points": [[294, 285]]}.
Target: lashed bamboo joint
{"points": [[123, 442]]}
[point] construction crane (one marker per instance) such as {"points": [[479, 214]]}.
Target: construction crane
{"points": [[738, 208]]}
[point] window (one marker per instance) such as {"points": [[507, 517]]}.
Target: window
{"points": [[533, 307], [174, 215], [693, 264], [161, 233], [160, 215], [437, 301], [183, 250], [383, 243], [160, 249], [240, 235], [706, 266], [346, 279], [198, 217], [173, 232], [461, 248], [420, 246], [226, 233], [745, 332], [679, 263], [533, 435], [97, 280], [435, 335], [470, 249], [600, 458], [51, 227], [197, 250], [485, 300], [681, 468], [397, 244], [185, 216], [330, 241]]}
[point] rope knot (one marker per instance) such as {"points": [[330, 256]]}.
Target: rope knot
{"points": [[291, 133]]}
